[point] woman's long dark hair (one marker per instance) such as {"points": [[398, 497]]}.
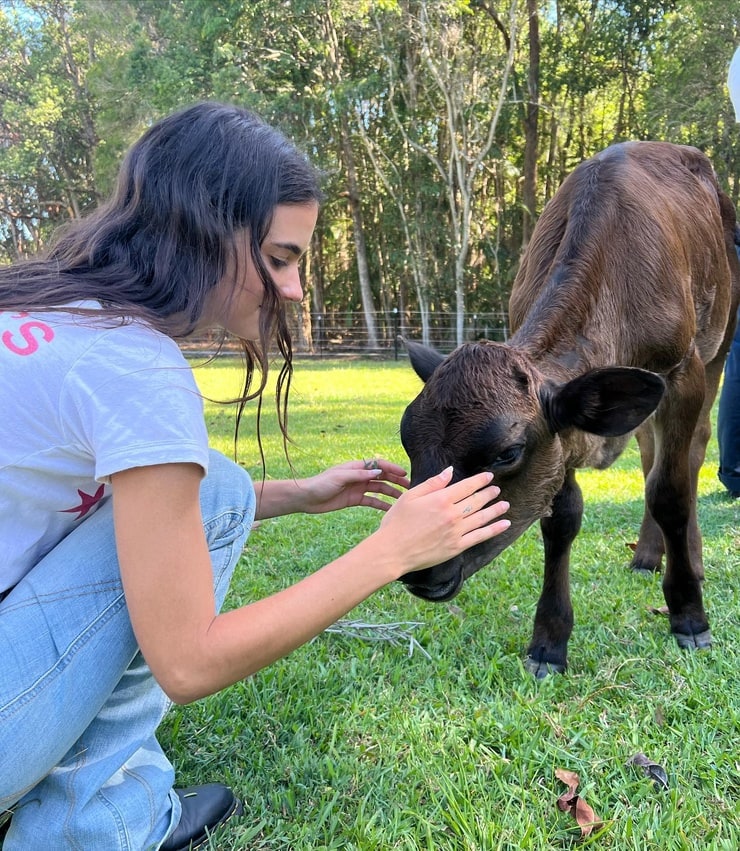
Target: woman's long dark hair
{"points": [[159, 245]]}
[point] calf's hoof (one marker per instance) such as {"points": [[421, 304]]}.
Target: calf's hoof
{"points": [[644, 567], [644, 571], [540, 670], [646, 560], [699, 641]]}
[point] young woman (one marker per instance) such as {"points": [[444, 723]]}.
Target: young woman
{"points": [[119, 529]]}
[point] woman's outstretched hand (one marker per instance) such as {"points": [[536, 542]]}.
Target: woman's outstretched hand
{"points": [[341, 486], [354, 483], [435, 521]]}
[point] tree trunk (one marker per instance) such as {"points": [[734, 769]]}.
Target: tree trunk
{"points": [[334, 74], [358, 235], [531, 119]]}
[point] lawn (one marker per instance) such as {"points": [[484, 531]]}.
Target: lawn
{"points": [[414, 725]]}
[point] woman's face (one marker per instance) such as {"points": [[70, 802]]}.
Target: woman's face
{"points": [[236, 301]]}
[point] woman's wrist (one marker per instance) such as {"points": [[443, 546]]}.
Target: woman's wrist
{"points": [[384, 553], [278, 497]]}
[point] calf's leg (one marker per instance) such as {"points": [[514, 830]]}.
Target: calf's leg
{"points": [[548, 651], [671, 498], [649, 549], [650, 544]]}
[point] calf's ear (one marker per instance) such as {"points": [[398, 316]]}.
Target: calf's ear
{"points": [[423, 359], [609, 401]]}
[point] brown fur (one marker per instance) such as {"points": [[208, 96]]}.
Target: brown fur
{"points": [[631, 265]]}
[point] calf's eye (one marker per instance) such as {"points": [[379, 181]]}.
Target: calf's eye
{"points": [[508, 456]]}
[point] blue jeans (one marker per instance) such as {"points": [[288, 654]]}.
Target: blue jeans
{"points": [[728, 417], [79, 762]]}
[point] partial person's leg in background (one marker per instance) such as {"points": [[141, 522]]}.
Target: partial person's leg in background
{"points": [[728, 419]]}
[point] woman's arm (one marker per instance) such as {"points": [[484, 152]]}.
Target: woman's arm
{"points": [[344, 485], [167, 579]]}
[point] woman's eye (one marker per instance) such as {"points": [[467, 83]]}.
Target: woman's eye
{"points": [[278, 263]]}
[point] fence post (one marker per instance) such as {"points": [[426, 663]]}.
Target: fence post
{"points": [[319, 322], [395, 333]]}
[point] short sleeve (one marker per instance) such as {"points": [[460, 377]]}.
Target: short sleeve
{"points": [[131, 400]]}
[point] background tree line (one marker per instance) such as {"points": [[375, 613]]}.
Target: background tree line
{"points": [[442, 126]]}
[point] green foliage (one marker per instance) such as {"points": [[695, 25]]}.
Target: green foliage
{"points": [[348, 744], [46, 171], [406, 87], [687, 101]]}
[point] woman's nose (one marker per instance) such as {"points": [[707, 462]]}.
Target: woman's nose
{"points": [[291, 288]]}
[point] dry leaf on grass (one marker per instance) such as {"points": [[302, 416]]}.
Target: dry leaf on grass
{"points": [[651, 769], [572, 802]]}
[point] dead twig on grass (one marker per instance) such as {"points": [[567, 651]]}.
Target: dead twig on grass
{"points": [[395, 633]]}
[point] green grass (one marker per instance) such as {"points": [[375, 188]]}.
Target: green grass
{"points": [[354, 744]]}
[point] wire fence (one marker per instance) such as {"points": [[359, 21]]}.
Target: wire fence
{"points": [[345, 333]]}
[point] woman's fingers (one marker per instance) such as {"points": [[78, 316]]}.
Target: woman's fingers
{"points": [[462, 506], [387, 467], [473, 503], [486, 524], [437, 483], [385, 488], [466, 487]]}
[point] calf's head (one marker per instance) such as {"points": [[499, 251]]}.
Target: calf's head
{"points": [[488, 407]]}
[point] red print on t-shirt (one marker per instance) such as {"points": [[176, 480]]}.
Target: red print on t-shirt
{"points": [[30, 341], [87, 501]]}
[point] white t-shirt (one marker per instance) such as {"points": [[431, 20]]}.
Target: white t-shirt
{"points": [[81, 399]]}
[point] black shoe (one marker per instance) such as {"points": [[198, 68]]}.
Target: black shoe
{"points": [[203, 807], [4, 827]]}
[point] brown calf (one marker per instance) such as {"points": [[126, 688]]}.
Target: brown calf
{"points": [[622, 313]]}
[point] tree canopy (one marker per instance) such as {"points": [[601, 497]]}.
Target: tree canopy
{"points": [[442, 126]]}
